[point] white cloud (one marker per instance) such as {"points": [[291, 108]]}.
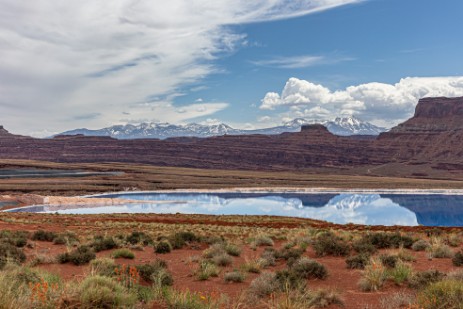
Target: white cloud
{"points": [[384, 104], [297, 62], [61, 58]]}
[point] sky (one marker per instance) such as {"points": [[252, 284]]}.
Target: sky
{"points": [[250, 64]]}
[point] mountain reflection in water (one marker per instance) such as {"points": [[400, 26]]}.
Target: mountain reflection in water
{"points": [[369, 209]]}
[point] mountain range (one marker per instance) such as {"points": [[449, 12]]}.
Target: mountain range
{"points": [[343, 126]]}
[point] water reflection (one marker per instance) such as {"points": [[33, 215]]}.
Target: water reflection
{"points": [[371, 209]]}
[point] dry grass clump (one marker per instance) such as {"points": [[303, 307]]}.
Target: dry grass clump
{"points": [[398, 300], [442, 294], [420, 245], [439, 249], [374, 276], [234, 276]]}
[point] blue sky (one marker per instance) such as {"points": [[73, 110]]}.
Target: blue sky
{"points": [[250, 64]]}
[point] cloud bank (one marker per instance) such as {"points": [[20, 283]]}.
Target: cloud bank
{"points": [[383, 104], [110, 59]]}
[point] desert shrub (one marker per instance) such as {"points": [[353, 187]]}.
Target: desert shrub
{"points": [[139, 237], [252, 266], [190, 300], [234, 276], [382, 240], [9, 252], [163, 247], [103, 267], [442, 294], [398, 240], [457, 259], [324, 298], [388, 260], [222, 259], [363, 247], [268, 257], [420, 245], [43, 235], [308, 268], [65, 238], [290, 255], [397, 300], [421, 279], [206, 270], [289, 280], [330, 244], [155, 272], [214, 250], [434, 232], [233, 250], [81, 255], [15, 238], [179, 240], [373, 277], [104, 292], [358, 261], [263, 240], [455, 275], [263, 285], [400, 273], [454, 240], [439, 250], [101, 243], [123, 253]]}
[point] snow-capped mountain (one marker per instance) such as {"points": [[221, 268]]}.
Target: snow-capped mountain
{"points": [[339, 126], [344, 126]]}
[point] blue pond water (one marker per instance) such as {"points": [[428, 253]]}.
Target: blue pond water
{"points": [[370, 209]]}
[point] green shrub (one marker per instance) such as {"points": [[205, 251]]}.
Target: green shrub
{"points": [[252, 266], [234, 276], [289, 280], [163, 247], [104, 292], [139, 237], [15, 238], [263, 285], [101, 243], [330, 244], [358, 261], [155, 272], [363, 247], [179, 240], [291, 254], [81, 255], [309, 269], [123, 253], [457, 259], [421, 279], [9, 252], [420, 245], [43, 235], [388, 260], [442, 294], [382, 240], [400, 273]]}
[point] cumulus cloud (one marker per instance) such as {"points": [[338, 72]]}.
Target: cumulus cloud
{"points": [[384, 104], [60, 58]]}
